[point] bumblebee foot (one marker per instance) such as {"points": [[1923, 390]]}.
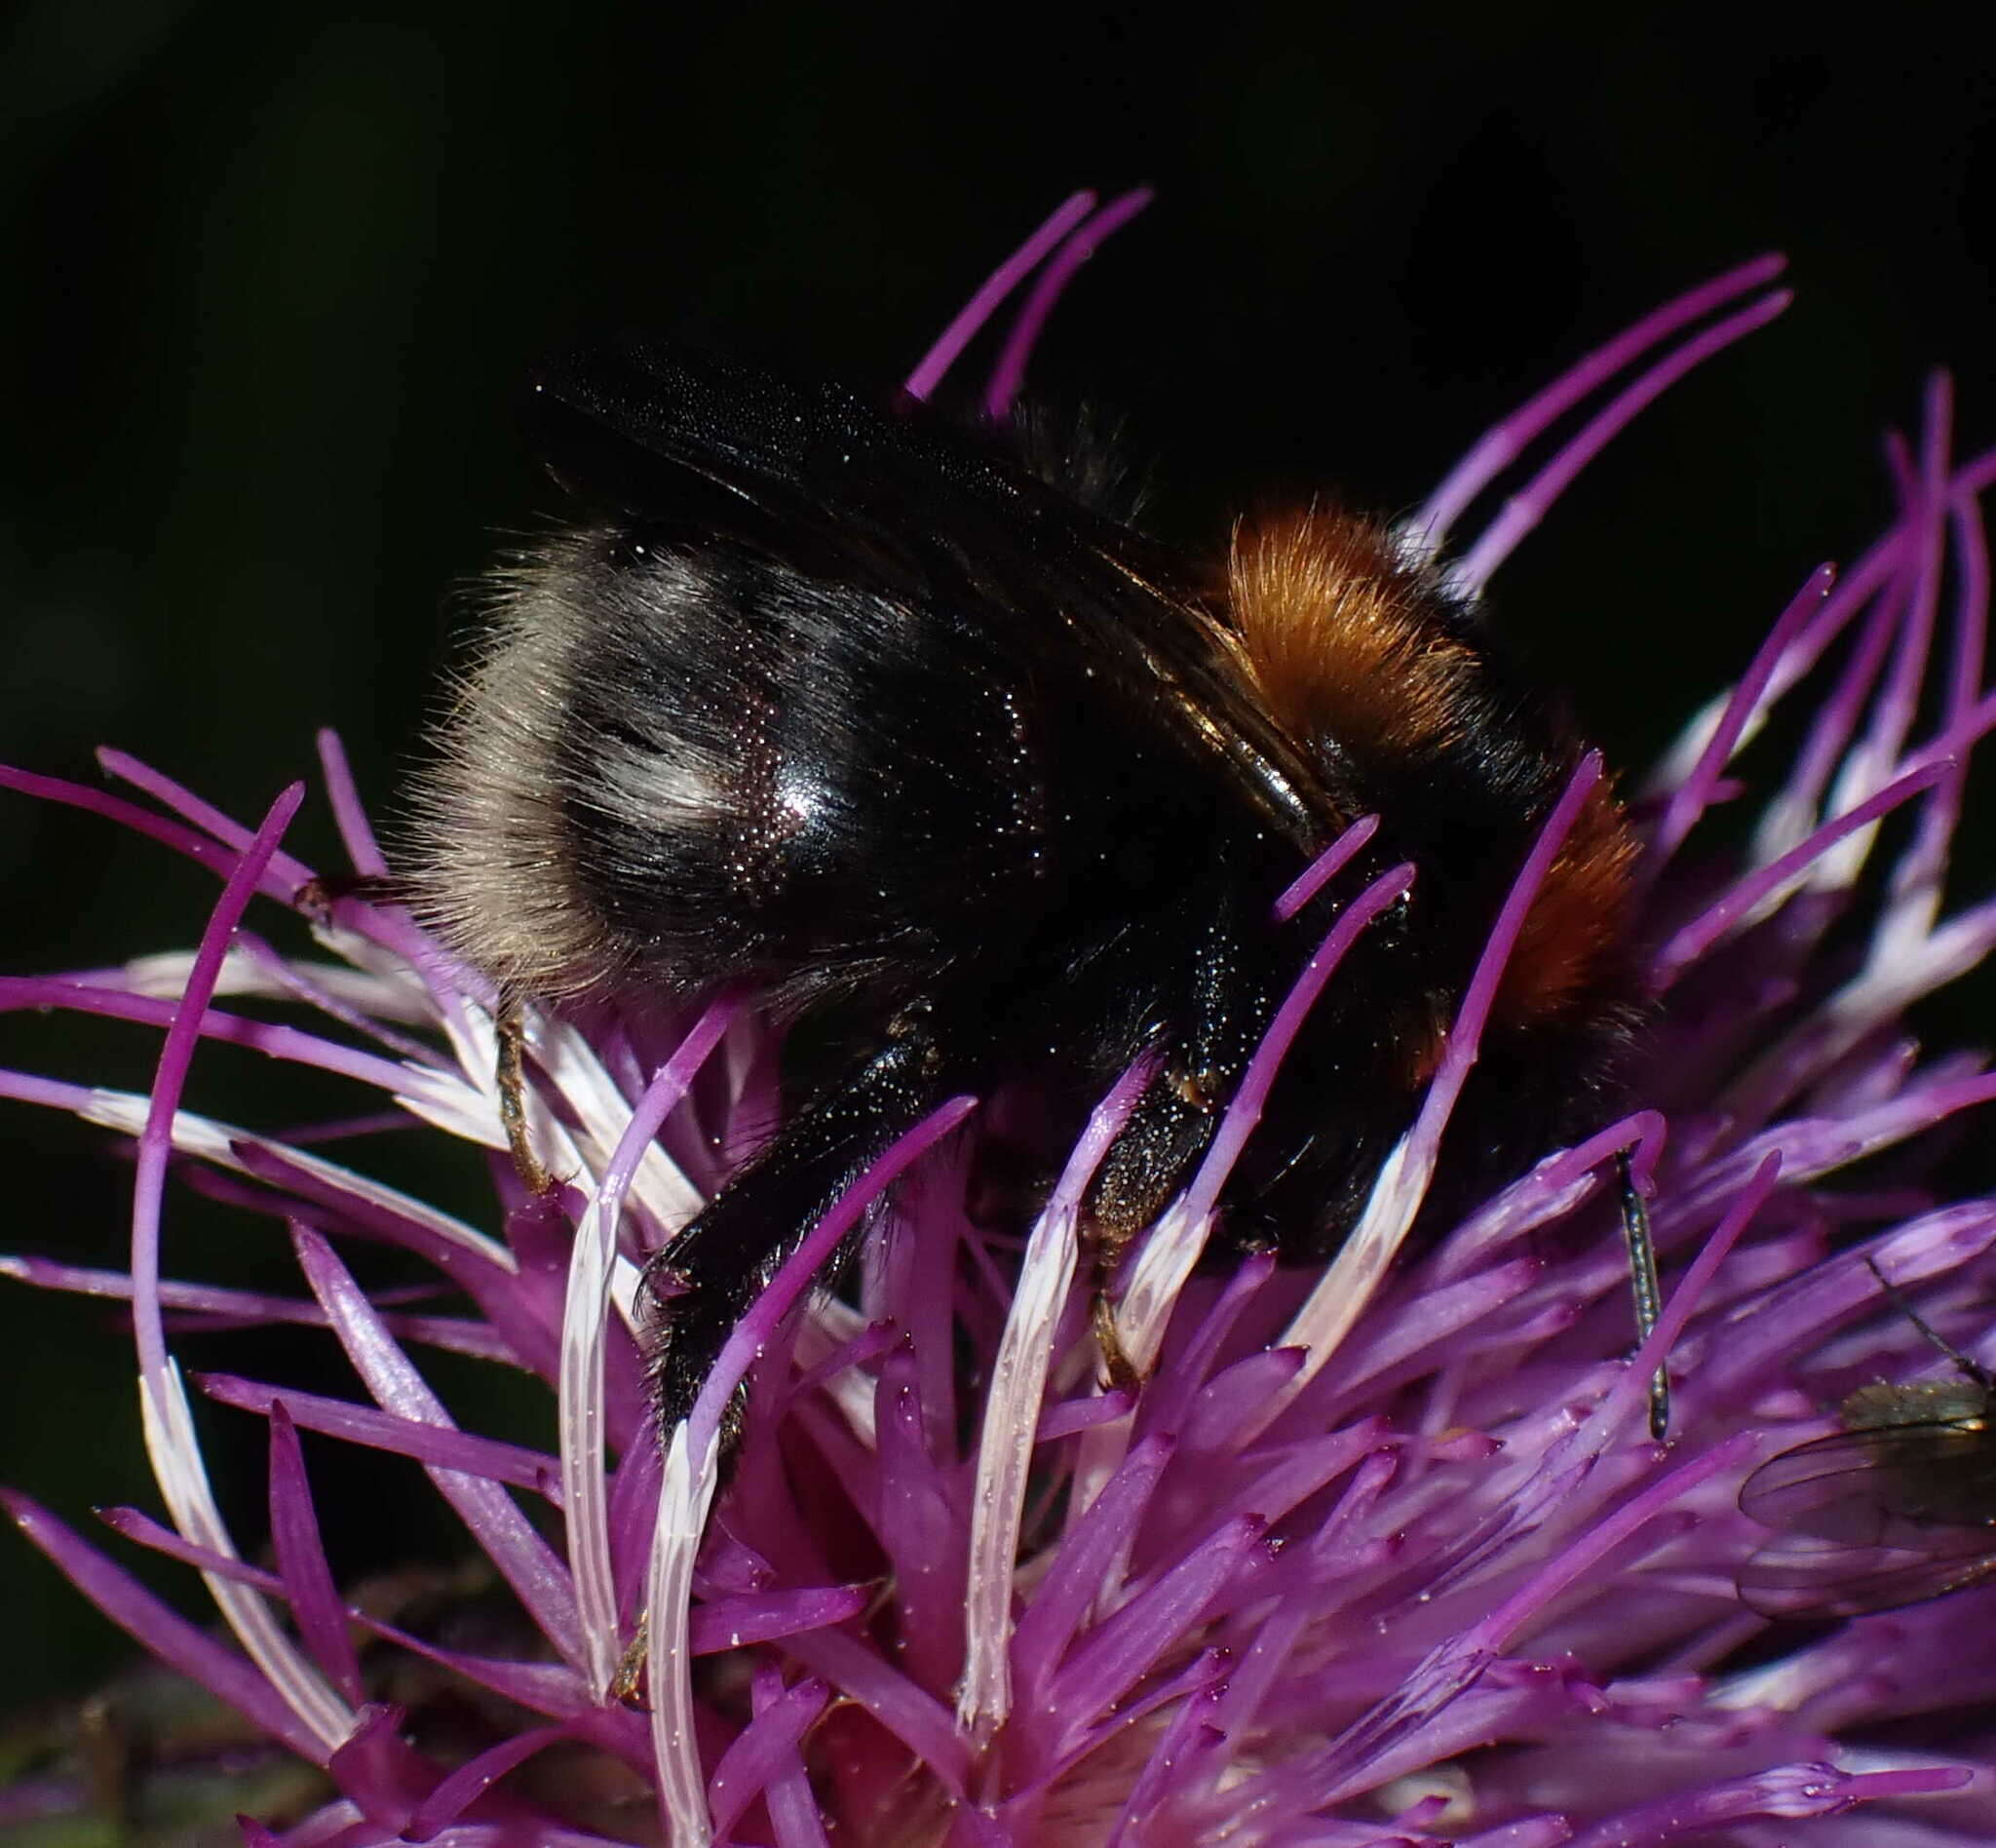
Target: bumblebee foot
{"points": [[1121, 1369], [317, 897], [625, 1685], [512, 1030]]}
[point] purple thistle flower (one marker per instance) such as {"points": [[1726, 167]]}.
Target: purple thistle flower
{"points": [[1380, 1555]]}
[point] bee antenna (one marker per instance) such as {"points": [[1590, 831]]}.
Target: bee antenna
{"points": [[1645, 1288], [1973, 1369]]}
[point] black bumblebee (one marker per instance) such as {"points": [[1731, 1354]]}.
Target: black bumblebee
{"points": [[902, 724]]}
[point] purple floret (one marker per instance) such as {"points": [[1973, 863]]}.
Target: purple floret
{"points": [[1385, 1555]]}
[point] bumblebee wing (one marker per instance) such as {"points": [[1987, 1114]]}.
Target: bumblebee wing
{"points": [[694, 445]]}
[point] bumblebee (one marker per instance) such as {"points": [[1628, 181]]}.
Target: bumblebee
{"points": [[903, 724]]}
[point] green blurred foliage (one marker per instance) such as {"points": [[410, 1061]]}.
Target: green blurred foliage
{"points": [[274, 273]]}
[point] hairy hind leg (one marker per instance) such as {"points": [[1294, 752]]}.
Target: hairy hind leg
{"points": [[1166, 1134], [707, 1277]]}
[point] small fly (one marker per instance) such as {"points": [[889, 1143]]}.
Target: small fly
{"points": [[1896, 1508]]}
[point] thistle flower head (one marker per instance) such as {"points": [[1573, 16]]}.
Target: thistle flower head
{"points": [[1379, 1555]]}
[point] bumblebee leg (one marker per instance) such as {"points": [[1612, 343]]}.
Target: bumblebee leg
{"points": [[1223, 1009], [1644, 1288], [629, 1681], [1166, 1133], [1119, 1369], [317, 897], [511, 1026], [707, 1277]]}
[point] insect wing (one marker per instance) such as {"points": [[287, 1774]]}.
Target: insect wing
{"points": [[1796, 1577], [1871, 1520], [1890, 1485], [695, 446]]}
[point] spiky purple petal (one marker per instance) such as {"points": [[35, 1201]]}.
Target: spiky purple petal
{"points": [[1340, 1544]]}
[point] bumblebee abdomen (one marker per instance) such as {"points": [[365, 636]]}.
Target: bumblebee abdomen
{"points": [[690, 765]]}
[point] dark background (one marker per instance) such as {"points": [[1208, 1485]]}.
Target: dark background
{"points": [[272, 274]]}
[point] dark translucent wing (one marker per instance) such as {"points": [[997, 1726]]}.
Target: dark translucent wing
{"points": [[1873, 1518], [1821, 1489], [1890, 1485], [1795, 1576], [699, 445], [1932, 1482], [906, 504]]}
